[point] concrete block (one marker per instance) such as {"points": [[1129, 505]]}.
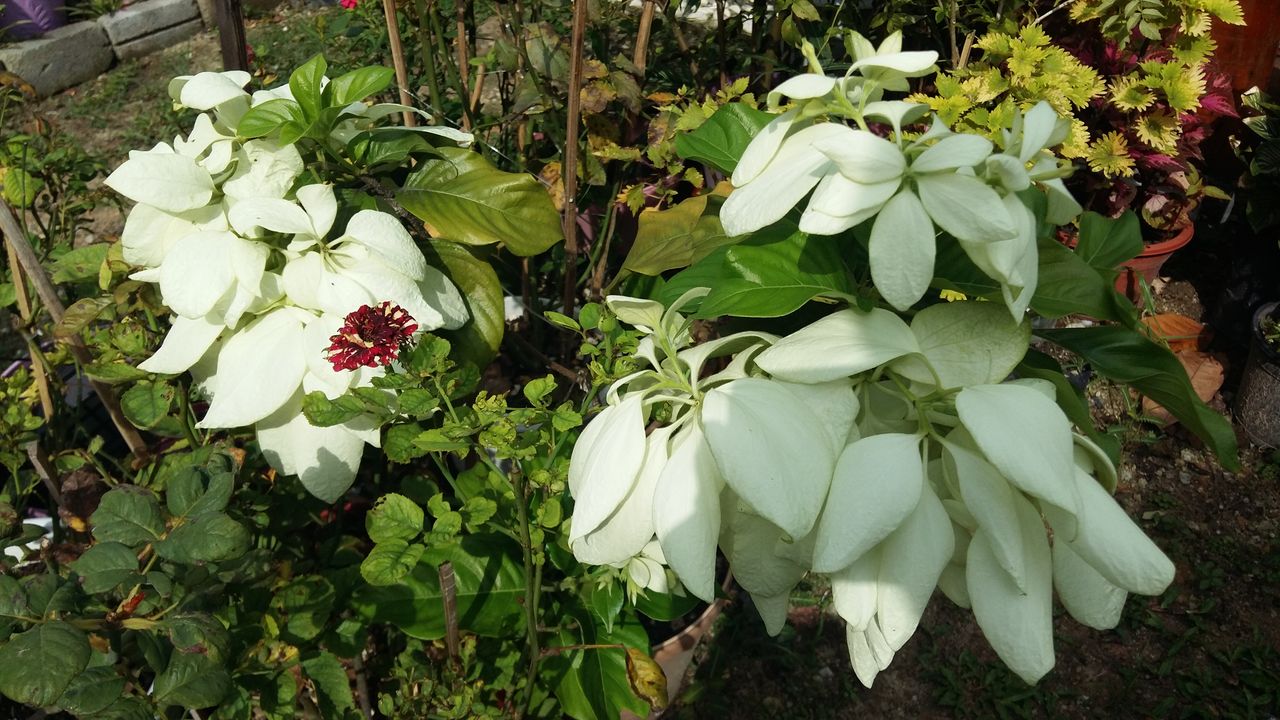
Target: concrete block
{"points": [[147, 18], [154, 42], [64, 57]]}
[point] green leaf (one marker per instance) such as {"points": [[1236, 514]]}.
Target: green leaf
{"points": [[305, 84], [388, 146], [490, 589], [92, 691], [1070, 285], [478, 510], [212, 537], [478, 341], [770, 274], [390, 561], [677, 237], [605, 602], [358, 84], [104, 566], [323, 412], [721, 140], [332, 686], [80, 264], [665, 607], [1127, 356], [393, 517], [270, 116], [199, 633], [20, 187], [8, 294], [418, 402], [307, 602], [147, 403], [1106, 242], [79, 315], [38, 665], [463, 198], [192, 680], [13, 604], [594, 683], [189, 496], [113, 372], [129, 515]]}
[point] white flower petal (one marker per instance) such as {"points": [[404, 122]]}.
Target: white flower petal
{"points": [[771, 450], [839, 345], [1026, 437], [167, 181], [321, 205], [993, 503], [792, 173], [260, 368], [196, 273], [630, 528], [902, 250], [1090, 598], [949, 153], [803, 87], [854, 589], [386, 237], [911, 559], [324, 459], [1018, 623], [605, 463], [965, 207], [273, 214], [876, 484], [686, 512], [186, 342], [862, 156], [763, 147]]}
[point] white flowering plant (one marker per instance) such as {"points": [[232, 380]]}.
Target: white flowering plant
{"points": [[889, 420]]}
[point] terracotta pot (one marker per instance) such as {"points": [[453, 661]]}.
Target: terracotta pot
{"points": [[1258, 399], [1248, 53], [1148, 263]]}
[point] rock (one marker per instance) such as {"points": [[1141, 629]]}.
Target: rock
{"points": [[64, 57], [148, 18], [154, 42]]}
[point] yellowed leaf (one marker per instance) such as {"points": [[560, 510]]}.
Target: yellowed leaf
{"points": [[647, 680]]}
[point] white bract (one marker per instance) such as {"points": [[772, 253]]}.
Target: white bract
{"points": [[892, 457], [245, 260]]}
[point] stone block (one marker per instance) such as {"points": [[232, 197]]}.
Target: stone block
{"points": [[61, 58], [154, 42], [147, 18]]}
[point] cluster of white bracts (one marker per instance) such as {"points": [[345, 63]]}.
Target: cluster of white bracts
{"points": [[241, 256], [892, 458]]}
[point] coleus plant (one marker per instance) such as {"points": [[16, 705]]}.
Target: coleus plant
{"points": [[899, 442]]}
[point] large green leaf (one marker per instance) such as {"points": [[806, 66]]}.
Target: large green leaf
{"points": [[92, 691], [272, 115], [211, 537], [358, 84], [593, 684], [770, 274], [393, 517], [147, 403], [721, 140], [306, 85], [465, 199], [1069, 285], [192, 680], [677, 237], [478, 341], [332, 686], [1106, 242], [1127, 356], [36, 666], [489, 583], [104, 566], [128, 514]]}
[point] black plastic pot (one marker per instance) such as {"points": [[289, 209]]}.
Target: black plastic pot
{"points": [[1258, 401]]}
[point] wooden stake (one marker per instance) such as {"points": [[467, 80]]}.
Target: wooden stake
{"points": [[569, 171], [397, 60], [235, 50], [640, 55], [27, 259]]}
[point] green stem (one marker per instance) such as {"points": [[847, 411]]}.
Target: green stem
{"points": [[532, 588], [429, 60]]}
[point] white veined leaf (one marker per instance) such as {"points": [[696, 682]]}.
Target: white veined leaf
{"points": [[325, 459], [771, 449], [790, 175], [839, 203], [386, 237], [834, 403], [895, 112], [686, 512], [1026, 437], [902, 249], [839, 345], [876, 485], [910, 63], [749, 541], [952, 584], [802, 87], [763, 147], [260, 368], [626, 532], [854, 589], [1087, 596], [911, 559], [1017, 623], [993, 503], [862, 156], [164, 180], [186, 342], [1011, 172], [1038, 126], [773, 611]]}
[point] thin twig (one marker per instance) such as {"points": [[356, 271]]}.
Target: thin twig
{"points": [[397, 60], [24, 312], [460, 44], [428, 60], [362, 686], [53, 305], [45, 470], [640, 55], [569, 171], [1051, 11]]}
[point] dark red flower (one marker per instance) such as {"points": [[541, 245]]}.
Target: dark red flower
{"points": [[370, 336]]}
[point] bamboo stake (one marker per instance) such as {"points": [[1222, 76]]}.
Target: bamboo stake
{"points": [[460, 45], [24, 312], [640, 56], [53, 305], [397, 60], [569, 171]]}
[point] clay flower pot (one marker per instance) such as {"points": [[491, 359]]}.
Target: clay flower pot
{"points": [[1148, 263]]}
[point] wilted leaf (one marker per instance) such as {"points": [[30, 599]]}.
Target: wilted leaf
{"points": [[1206, 375]]}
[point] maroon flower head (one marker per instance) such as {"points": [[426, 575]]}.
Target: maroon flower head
{"points": [[370, 336]]}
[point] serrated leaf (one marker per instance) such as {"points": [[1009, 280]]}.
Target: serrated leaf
{"points": [[147, 403], [104, 566], [394, 517], [192, 680], [79, 264], [390, 561], [212, 537], [193, 492], [79, 315], [330, 679], [113, 372], [418, 403], [38, 665], [129, 515]]}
